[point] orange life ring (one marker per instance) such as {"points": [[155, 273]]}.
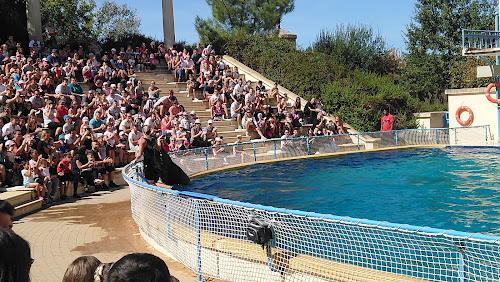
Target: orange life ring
{"points": [[469, 120], [488, 89]]}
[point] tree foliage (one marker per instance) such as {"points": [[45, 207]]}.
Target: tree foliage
{"points": [[356, 47], [72, 18], [434, 40], [115, 22], [252, 16], [357, 95], [13, 18]]}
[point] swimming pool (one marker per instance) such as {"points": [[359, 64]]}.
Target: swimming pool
{"points": [[454, 188]]}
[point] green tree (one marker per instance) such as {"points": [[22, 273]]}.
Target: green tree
{"points": [[252, 16], [434, 40], [356, 47], [72, 18], [115, 22], [13, 18]]}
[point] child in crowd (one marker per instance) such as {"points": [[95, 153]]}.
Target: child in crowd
{"points": [[65, 175], [29, 181]]}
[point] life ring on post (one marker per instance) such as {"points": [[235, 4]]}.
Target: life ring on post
{"points": [[487, 92], [469, 120]]}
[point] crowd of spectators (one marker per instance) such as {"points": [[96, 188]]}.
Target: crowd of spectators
{"points": [[54, 134]]}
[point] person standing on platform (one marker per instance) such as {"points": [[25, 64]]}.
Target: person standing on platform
{"points": [[387, 122]]}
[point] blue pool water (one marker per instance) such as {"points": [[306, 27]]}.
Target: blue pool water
{"points": [[455, 188]]}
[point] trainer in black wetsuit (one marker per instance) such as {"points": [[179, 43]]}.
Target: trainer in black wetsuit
{"points": [[148, 148], [150, 153]]}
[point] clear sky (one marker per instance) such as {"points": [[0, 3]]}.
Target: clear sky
{"points": [[389, 17]]}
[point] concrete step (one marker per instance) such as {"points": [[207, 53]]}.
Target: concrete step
{"points": [[194, 107], [28, 207], [226, 128], [16, 198], [225, 122], [231, 133]]}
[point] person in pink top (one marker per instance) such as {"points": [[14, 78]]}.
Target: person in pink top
{"points": [[387, 122]]}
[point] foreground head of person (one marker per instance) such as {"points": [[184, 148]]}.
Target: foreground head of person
{"points": [[81, 269], [139, 267], [6, 212], [15, 257]]}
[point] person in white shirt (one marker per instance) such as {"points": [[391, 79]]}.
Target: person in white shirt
{"points": [[285, 143], [10, 127], [133, 138], [33, 41]]}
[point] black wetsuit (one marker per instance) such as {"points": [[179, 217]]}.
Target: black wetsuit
{"points": [[150, 154]]}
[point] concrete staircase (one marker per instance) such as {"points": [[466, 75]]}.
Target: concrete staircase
{"points": [[25, 200], [225, 128]]}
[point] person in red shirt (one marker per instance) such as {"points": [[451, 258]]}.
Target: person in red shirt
{"points": [[65, 175], [387, 122], [61, 110]]}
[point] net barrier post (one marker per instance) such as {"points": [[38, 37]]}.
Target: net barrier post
{"points": [[254, 154], [198, 241], [435, 136], [396, 136], [461, 260], [455, 131], [206, 159], [307, 140], [274, 143], [357, 135]]}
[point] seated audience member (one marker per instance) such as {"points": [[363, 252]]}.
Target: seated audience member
{"points": [[219, 151], [339, 125], [209, 132], [81, 269], [139, 267], [286, 143], [6, 213], [15, 257], [29, 180], [238, 148], [250, 124], [64, 170]]}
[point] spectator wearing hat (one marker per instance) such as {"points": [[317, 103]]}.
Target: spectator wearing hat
{"points": [[209, 132], [54, 58], [197, 135]]}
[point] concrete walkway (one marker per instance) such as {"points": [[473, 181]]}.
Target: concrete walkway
{"points": [[100, 225]]}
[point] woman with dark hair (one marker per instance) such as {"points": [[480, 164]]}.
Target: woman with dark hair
{"points": [[139, 267], [82, 269], [15, 257], [149, 148]]}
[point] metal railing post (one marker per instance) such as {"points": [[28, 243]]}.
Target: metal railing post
{"points": [[486, 133], [307, 140], [455, 131], [436, 136], [396, 136], [254, 154], [357, 134], [198, 241], [274, 149], [206, 159]]}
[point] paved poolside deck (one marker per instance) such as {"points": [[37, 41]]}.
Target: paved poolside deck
{"points": [[100, 224]]}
